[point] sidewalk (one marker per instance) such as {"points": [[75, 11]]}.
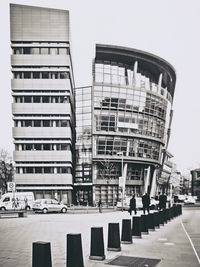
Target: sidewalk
{"points": [[167, 244]]}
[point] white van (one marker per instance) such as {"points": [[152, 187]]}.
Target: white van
{"points": [[17, 200]]}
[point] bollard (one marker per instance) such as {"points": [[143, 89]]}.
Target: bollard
{"points": [[136, 227], [179, 209], [151, 225], [144, 224], [171, 213], [126, 237], [113, 237], [74, 251], [156, 219], [41, 254], [161, 217], [168, 214], [165, 215], [97, 244]]}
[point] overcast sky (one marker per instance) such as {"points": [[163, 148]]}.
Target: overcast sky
{"points": [[167, 28]]}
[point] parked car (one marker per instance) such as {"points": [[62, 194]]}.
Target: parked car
{"points": [[49, 205], [189, 200]]}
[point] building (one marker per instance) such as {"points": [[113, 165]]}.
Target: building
{"points": [[43, 101], [166, 178], [131, 100], [195, 183]]}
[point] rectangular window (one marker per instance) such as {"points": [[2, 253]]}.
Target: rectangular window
{"points": [[45, 75], [37, 123], [36, 75], [38, 146], [46, 147], [27, 99], [35, 51], [38, 169], [27, 50], [44, 51], [28, 123], [63, 51], [64, 75], [27, 75], [53, 50], [36, 99], [45, 99], [46, 123]]}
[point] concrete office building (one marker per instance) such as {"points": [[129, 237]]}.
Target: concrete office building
{"points": [[43, 101], [131, 100]]}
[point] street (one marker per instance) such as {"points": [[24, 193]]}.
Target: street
{"points": [[175, 243]]}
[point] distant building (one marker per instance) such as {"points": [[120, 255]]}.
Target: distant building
{"points": [[195, 186], [43, 101]]}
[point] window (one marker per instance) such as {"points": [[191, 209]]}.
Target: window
{"points": [[38, 170], [35, 51], [46, 147], [38, 146], [45, 99], [36, 75], [17, 51], [63, 51], [37, 123], [46, 123], [53, 51], [64, 75], [44, 51], [36, 99], [45, 75], [64, 123], [28, 123], [27, 99], [27, 50], [27, 75]]}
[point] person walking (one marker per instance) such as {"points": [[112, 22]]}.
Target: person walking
{"points": [[132, 205], [146, 203], [100, 205]]}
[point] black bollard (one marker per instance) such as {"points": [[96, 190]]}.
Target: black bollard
{"points": [[74, 251], [113, 237], [97, 244], [151, 225], [41, 254], [144, 224], [171, 213], [161, 217], [136, 227], [179, 206], [126, 237], [156, 219], [168, 214], [165, 215]]}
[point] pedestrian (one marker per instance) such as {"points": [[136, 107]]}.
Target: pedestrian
{"points": [[132, 205], [100, 205], [162, 201], [146, 202]]}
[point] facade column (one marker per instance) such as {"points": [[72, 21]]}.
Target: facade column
{"points": [[153, 185], [147, 180], [160, 81], [135, 72]]}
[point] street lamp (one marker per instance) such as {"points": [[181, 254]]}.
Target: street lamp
{"points": [[122, 177]]}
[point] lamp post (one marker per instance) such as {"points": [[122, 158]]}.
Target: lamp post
{"points": [[123, 183]]}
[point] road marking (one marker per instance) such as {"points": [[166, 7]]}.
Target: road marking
{"points": [[195, 252], [169, 244], [162, 239]]}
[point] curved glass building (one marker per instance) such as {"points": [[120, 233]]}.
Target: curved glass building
{"points": [[132, 98]]}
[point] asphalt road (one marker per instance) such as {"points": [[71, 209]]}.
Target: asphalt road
{"points": [[176, 244]]}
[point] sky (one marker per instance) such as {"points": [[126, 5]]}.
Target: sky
{"points": [[167, 28]]}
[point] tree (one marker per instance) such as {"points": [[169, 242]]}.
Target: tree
{"points": [[6, 170]]}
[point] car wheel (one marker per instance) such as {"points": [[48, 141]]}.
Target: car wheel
{"points": [[27, 208], [44, 211], [3, 208], [64, 210]]}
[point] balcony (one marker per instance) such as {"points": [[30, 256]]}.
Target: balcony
{"points": [[44, 179], [40, 60], [41, 108], [41, 84], [42, 156], [42, 132]]}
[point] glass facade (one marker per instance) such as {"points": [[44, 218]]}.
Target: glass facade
{"points": [[83, 171], [132, 99]]}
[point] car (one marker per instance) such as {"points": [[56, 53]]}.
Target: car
{"points": [[49, 205], [189, 200]]}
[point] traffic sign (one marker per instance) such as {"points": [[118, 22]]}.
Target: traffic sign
{"points": [[11, 186]]}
